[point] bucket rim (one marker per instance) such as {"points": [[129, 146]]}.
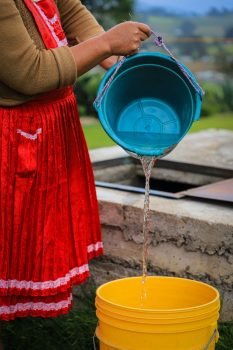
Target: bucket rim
{"points": [[178, 310], [162, 55], [159, 151]]}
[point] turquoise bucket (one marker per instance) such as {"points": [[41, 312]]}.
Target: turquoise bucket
{"points": [[150, 105]]}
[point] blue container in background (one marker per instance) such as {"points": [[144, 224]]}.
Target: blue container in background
{"points": [[150, 105]]}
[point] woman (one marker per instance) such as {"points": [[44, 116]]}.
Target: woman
{"points": [[49, 223]]}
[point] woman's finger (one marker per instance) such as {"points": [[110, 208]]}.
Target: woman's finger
{"points": [[134, 52], [143, 36], [145, 29]]}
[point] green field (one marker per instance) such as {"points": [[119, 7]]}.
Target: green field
{"points": [[222, 121], [206, 26], [96, 136], [72, 332]]}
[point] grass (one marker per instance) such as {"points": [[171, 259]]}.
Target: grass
{"points": [[226, 337], [69, 332], [72, 332], [221, 121], [96, 136]]}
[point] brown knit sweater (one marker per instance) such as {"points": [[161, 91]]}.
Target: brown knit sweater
{"points": [[26, 67]]}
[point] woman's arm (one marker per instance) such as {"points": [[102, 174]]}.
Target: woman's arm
{"points": [[28, 70], [25, 68], [121, 40], [78, 23]]}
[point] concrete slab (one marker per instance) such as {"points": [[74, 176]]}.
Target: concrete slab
{"points": [[210, 147]]}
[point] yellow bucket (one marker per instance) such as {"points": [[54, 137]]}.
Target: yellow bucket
{"points": [[164, 313]]}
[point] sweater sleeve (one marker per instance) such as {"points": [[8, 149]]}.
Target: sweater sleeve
{"points": [[77, 20], [24, 67]]}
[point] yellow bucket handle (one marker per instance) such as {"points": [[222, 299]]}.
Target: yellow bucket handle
{"points": [[213, 337], [94, 336]]}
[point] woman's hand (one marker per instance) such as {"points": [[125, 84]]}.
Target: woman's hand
{"points": [[122, 40], [125, 38], [108, 63]]}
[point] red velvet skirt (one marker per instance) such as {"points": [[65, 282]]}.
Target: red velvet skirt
{"points": [[49, 222]]}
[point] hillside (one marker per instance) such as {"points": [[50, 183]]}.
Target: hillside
{"points": [[205, 26]]}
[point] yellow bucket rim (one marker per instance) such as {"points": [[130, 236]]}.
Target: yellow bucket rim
{"points": [[179, 310]]}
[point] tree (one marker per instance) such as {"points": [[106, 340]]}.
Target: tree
{"points": [[188, 28], [229, 33], [110, 12], [193, 44], [214, 11], [224, 60]]}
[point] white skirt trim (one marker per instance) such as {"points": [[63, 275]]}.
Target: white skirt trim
{"points": [[52, 284], [35, 306]]}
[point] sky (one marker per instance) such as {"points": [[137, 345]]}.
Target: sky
{"points": [[198, 6]]}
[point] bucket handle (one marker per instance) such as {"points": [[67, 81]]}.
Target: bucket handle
{"points": [[102, 92], [213, 337], [95, 337], [160, 43], [158, 40]]}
